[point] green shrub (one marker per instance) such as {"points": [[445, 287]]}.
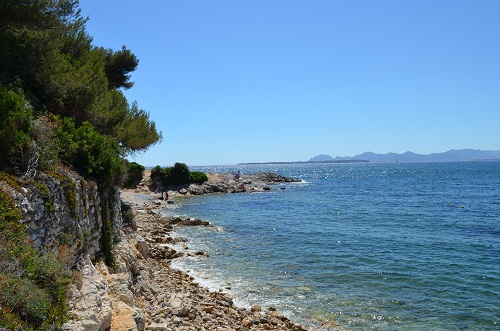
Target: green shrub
{"points": [[161, 175], [22, 296], [197, 177], [16, 118], [176, 175], [179, 174], [157, 172], [133, 176], [157, 177], [32, 285], [92, 154]]}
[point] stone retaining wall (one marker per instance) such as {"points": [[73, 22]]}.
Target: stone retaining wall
{"points": [[64, 209]]}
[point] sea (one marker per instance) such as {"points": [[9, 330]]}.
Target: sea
{"points": [[356, 246]]}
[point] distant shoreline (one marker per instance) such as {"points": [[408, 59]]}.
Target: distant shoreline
{"points": [[301, 162], [367, 161], [452, 155]]}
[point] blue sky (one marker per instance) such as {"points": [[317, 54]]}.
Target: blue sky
{"points": [[284, 80]]}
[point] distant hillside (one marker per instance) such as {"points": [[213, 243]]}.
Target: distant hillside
{"points": [[449, 156], [321, 158]]}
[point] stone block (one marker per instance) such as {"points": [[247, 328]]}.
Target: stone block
{"points": [[158, 327]]}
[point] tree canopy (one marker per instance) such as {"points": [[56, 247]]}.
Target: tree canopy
{"points": [[47, 59], [118, 65]]}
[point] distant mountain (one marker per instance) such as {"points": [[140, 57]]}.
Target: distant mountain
{"points": [[321, 158], [451, 155]]}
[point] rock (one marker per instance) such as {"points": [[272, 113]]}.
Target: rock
{"points": [[158, 327], [170, 253], [119, 288], [246, 323], [201, 254], [177, 220], [90, 301], [139, 319], [182, 311], [208, 309], [175, 303], [224, 303], [143, 248], [194, 222], [123, 317], [105, 315], [89, 325]]}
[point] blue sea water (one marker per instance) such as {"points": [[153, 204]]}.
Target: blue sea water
{"points": [[358, 246]]}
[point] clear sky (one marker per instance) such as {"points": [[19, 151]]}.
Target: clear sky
{"points": [[284, 80]]}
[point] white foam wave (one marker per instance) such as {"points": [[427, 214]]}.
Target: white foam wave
{"points": [[199, 277]]}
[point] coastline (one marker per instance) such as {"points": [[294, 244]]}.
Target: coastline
{"points": [[174, 300], [170, 298]]}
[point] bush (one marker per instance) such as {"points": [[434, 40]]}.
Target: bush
{"points": [[177, 175], [198, 177], [25, 299], [16, 128], [133, 176], [157, 172], [32, 286], [158, 177], [92, 154]]}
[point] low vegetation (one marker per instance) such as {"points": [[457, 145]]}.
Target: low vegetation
{"points": [[177, 175], [32, 285]]}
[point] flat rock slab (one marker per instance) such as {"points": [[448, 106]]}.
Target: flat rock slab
{"points": [[158, 327]]}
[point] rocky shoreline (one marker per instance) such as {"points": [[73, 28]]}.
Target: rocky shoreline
{"points": [[143, 291], [174, 301], [224, 183]]}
